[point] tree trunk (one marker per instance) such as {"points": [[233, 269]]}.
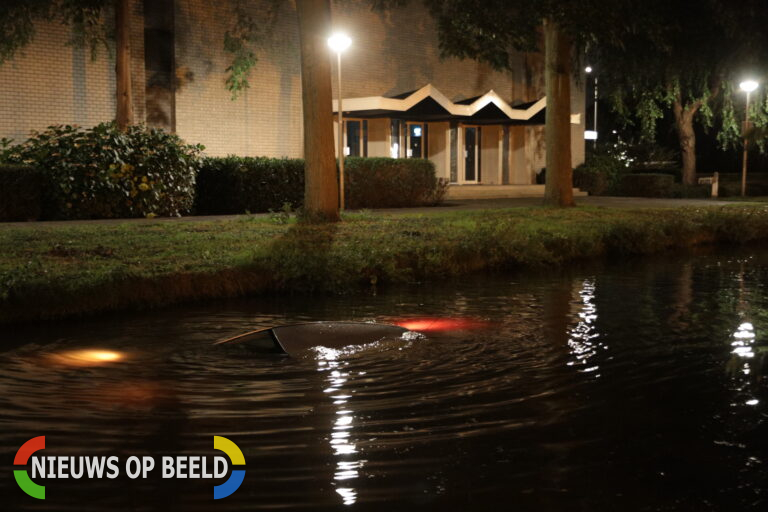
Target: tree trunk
{"points": [[687, 139], [321, 190], [558, 190], [124, 115]]}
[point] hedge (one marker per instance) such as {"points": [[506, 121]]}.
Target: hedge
{"points": [[647, 185], [233, 184], [248, 184], [391, 183], [228, 185], [20, 193], [600, 174]]}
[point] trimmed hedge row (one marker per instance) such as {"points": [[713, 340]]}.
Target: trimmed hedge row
{"points": [[391, 183], [245, 184], [20, 192], [233, 184], [647, 185], [229, 185]]}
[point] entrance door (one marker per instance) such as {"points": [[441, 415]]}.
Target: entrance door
{"points": [[470, 153], [416, 138]]}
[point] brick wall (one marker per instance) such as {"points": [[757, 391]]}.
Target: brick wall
{"points": [[51, 82], [391, 53]]}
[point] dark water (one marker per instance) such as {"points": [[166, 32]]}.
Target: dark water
{"points": [[633, 386]]}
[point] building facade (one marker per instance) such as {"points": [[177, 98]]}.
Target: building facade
{"points": [[400, 98]]}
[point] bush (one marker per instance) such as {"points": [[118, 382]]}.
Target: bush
{"points": [[681, 191], [391, 183], [102, 172], [675, 172], [20, 193], [590, 180], [730, 184], [600, 174], [245, 184], [647, 185]]}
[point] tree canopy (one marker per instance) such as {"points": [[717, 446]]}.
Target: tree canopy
{"points": [[687, 57]]}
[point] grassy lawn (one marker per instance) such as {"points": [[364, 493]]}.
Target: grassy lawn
{"points": [[59, 270]]}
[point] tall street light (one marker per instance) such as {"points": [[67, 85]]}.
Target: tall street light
{"points": [[747, 86], [589, 70], [339, 42]]}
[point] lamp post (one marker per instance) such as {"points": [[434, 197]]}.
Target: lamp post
{"points": [[747, 86], [589, 70], [339, 42]]}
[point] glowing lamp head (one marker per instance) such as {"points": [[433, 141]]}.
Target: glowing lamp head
{"points": [[748, 85], [588, 69], [339, 42]]}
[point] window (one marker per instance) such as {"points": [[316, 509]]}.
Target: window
{"points": [[394, 132], [357, 137], [472, 153]]}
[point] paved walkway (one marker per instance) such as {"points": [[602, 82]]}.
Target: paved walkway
{"points": [[452, 205]]}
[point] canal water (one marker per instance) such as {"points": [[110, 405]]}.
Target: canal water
{"points": [[631, 385]]}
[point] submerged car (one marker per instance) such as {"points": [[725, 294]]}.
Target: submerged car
{"points": [[297, 338]]}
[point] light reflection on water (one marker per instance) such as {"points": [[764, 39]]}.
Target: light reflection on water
{"points": [[341, 441], [647, 378], [583, 341]]}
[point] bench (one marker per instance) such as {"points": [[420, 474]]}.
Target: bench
{"points": [[711, 180]]}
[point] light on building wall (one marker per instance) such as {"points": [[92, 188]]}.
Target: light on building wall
{"points": [[590, 135], [588, 69]]}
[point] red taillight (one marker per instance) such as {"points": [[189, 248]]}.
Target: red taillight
{"points": [[441, 324]]}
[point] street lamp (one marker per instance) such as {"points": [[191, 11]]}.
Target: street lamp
{"points": [[593, 135], [339, 42], [747, 86]]}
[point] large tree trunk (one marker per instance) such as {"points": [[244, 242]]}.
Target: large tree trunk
{"points": [[687, 138], [321, 190], [124, 115], [558, 190]]}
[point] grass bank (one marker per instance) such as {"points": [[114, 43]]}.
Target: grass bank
{"points": [[53, 271]]}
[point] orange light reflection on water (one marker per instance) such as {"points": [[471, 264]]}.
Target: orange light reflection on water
{"points": [[442, 324], [87, 357]]}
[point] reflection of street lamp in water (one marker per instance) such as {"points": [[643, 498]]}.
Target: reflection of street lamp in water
{"points": [[747, 86], [348, 464], [339, 42]]}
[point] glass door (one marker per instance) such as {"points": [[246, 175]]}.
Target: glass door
{"points": [[416, 137], [470, 153]]}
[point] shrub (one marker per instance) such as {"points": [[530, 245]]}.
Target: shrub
{"points": [[590, 180], [245, 184], [730, 184], [20, 193], [647, 185], [682, 191], [601, 173], [391, 182], [102, 172]]}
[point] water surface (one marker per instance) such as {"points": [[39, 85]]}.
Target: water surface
{"points": [[637, 385]]}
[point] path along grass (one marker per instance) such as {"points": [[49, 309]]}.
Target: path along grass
{"points": [[52, 271]]}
